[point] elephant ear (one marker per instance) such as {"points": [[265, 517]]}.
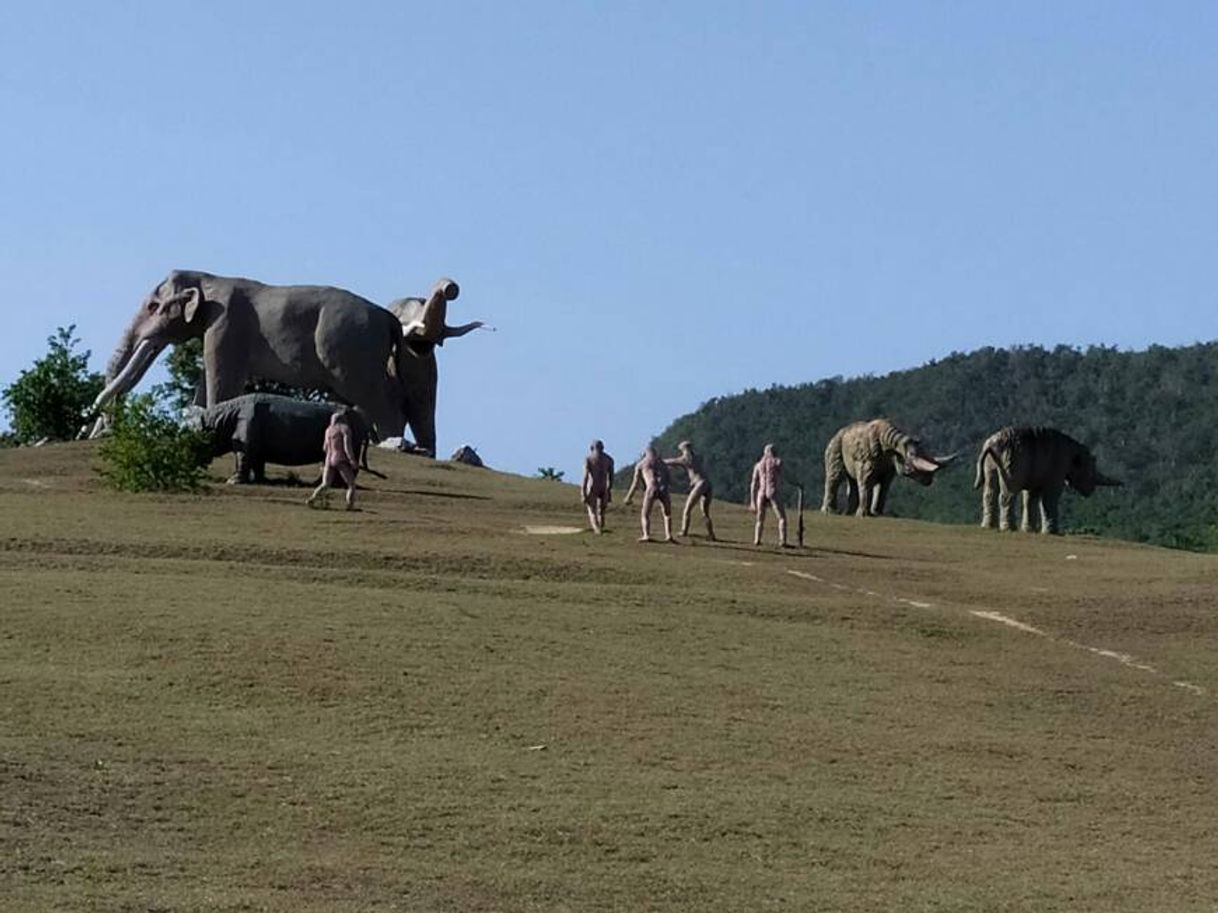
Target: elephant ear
{"points": [[189, 299], [194, 303]]}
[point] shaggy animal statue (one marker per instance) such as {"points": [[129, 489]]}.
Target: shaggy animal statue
{"points": [[867, 456], [1040, 463], [261, 428]]}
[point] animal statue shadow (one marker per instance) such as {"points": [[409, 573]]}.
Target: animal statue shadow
{"points": [[307, 336], [1038, 463], [867, 457]]}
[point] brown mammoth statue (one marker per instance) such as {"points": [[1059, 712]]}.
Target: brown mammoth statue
{"points": [[867, 456]]}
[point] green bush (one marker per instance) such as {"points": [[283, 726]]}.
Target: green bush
{"points": [[49, 400], [148, 451]]}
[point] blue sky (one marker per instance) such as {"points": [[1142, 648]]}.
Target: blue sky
{"points": [[654, 203]]}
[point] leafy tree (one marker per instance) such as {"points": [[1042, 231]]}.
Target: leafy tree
{"points": [[147, 450], [185, 367], [550, 473], [49, 400]]}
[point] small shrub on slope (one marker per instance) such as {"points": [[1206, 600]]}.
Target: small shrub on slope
{"points": [[148, 451], [49, 399]]}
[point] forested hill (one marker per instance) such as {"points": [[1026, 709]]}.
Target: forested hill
{"points": [[1150, 418]]}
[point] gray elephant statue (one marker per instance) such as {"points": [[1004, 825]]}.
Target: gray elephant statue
{"points": [[868, 456], [1040, 463], [261, 428], [303, 335]]}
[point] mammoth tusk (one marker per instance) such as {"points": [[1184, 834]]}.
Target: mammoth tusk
{"points": [[923, 465], [945, 460]]}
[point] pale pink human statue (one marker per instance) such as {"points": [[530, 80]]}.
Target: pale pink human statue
{"points": [[339, 462], [700, 491], [765, 490], [653, 473], [597, 486]]}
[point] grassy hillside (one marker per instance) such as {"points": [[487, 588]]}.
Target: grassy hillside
{"points": [[231, 702], [1151, 417]]}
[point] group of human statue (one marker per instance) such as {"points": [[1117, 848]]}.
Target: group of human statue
{"points": [[653, 473]]}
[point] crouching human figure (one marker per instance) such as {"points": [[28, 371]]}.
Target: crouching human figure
{"points": [[700, 490], [339, 462]]}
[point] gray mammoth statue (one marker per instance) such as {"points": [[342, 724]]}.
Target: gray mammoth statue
{"points": [[868, 456], [261, 428], [302, 335], [1039, 462]]}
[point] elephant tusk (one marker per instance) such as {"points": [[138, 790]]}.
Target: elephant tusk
{"points": [[143, 356]]}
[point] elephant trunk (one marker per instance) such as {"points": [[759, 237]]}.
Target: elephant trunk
{"points": [[1101, 479], [121, 354], [131, 372]]}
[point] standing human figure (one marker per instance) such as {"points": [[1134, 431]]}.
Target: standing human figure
{"points": [[339, 461], [700, 490], [655, 477], [765, 490], [597, 486]]}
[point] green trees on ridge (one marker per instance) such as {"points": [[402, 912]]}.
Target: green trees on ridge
{"points": [[1151, 418]]}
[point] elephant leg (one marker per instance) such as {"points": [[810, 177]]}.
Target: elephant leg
{"points": [[880, 499], [988, 497], [865, 495], [833, 483], [1049, 504], [1006, 508], [1031, 506], [225, 369], [852, 495]]}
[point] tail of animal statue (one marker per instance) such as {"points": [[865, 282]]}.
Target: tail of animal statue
{"points": [[987, 450]]}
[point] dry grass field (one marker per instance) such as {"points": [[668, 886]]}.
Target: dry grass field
{"points": [[230, 702]]}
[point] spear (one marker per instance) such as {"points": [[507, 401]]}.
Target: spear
{"points": [[800, 503]]}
